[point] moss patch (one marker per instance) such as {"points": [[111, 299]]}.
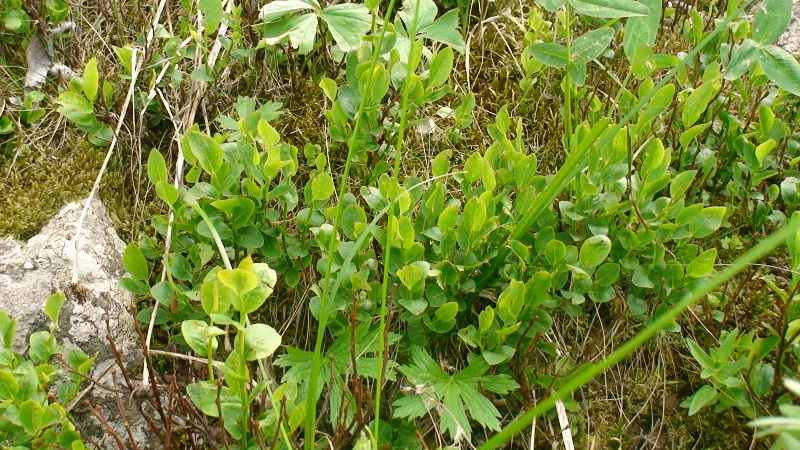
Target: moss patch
{"points": [[35, 186]]}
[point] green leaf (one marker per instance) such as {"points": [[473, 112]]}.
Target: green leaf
{"points": [[42, 346], [549, 54], [555, 252], [445, 29], [511, 301], [197, 335], [156, 167], [440, 67], [262, 341], [412, 276], [91, 80], [8, 328], [275, 10], [780, 67], [204, 150], [772, 20], [592, 44], [474, 214], [322, 187], [681, 183], [594, 251], [348, 24], [352, 215], [697, 103], [742, 57], [764, 149], [706, 396], [167, 192], [53, 304], [474, 167], [423, 10], [135, 263], [689, 135], [607, 274], [642, 30], [215, 297], [485, 319], [301, 30], [329, 87], [73, 105], [551, 5], [447, 312], [703, 264], [707, 222], [640, 278], [240, 209], [212, 9], [240, 281], [608, 9]]}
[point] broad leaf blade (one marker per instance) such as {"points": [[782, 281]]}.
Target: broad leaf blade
{"points": [[781, 68], [445, 30], [642, 30], [609, 9], [549, 54], [213, 14], [772, 20], [592, 44]]}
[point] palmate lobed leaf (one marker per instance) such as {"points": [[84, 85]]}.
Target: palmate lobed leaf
{"points": [[301, 31], [278, 9], [348, 23], [456, 393]]}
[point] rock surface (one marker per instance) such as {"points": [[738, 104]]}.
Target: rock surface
{"points": [[96, 305]]}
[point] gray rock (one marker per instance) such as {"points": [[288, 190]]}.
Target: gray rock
{"points": [[96, 306]]}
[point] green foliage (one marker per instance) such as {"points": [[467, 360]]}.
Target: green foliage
{"points": [[786, 426], [451, 396], [79, 102], [30, 417], [471, 257]]}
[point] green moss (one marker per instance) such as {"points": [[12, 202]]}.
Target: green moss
{"points": [[41, 180]]}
